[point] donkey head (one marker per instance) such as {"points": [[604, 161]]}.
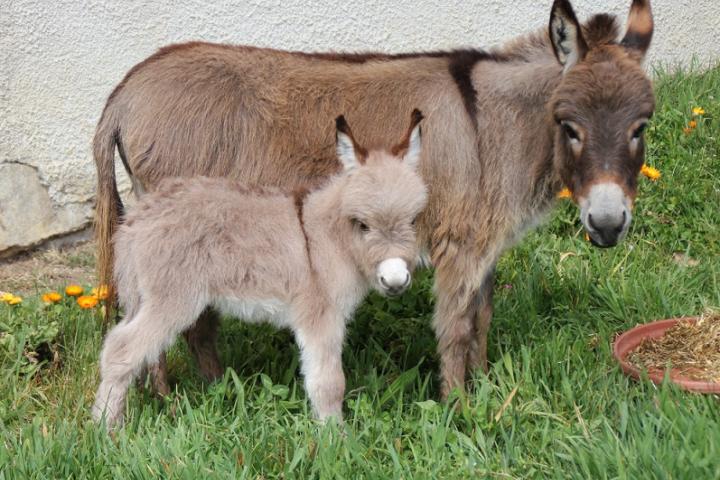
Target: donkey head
{"points": [[601, 108], [381, 197]]}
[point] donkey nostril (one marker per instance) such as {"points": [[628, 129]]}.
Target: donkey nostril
{"points": [[591, 223], [383, 282], [620, 227]]}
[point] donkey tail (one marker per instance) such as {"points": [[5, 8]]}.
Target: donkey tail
{"points": [[108, 206]]}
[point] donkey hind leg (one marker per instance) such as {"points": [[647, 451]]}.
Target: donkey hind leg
{"points": [[127, 348], [477, 356], [321, 342], [202, 340]]}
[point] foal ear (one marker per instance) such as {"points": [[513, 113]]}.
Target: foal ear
{"points": [[411, 145], [639, 27], [348, 151], [566, 35]]}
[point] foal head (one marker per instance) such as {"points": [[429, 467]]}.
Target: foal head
{"points": [[382, 196], [601, 108]]}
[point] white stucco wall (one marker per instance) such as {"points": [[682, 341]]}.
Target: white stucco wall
{"points": [[60, 60]]}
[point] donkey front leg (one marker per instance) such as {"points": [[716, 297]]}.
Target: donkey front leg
{"points": [[458, 281], [321, 343], [477, 357]]}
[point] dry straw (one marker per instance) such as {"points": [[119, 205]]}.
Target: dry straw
{"points": [[691, 349]]}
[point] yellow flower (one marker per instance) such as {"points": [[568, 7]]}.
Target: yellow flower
{"points": [[564, 193], [101, 292], [14, 300], [650, 172], [73, 290], [87, 301], [692, 124], [51, 297], [698, 111], [6, 297]]}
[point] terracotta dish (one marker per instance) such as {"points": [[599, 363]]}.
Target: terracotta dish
{"points": [[630, 340]]}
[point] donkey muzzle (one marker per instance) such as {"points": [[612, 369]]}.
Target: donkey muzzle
{"points": [[605, 213], [393, 276]]}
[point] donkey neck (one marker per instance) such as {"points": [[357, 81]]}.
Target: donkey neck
{"points": [[327, 237], [514, 124]]}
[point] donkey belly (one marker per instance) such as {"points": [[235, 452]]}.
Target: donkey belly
{"points": [[255, 311]]}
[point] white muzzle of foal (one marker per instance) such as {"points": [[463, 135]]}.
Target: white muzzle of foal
{"points": [[393, 275]]}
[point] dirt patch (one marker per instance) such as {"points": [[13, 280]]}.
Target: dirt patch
{"points": [[42, 270]]}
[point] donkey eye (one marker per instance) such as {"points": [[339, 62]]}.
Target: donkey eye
{"points": [[570, 131], [361, 225], [414, 221], [639, 131]]}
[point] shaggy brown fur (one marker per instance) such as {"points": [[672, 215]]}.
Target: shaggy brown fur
{"points": [[504, 130]]}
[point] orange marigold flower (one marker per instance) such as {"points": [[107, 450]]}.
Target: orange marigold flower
{"points": [[698, 111], [564, 193], [692, 124], [101, 292], [73, 290], [87, 301], [687, 130], [14, 300], [650, 172], [51, 297]]}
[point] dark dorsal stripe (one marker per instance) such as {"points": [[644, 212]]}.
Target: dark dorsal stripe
{"points": [[461, 65]]}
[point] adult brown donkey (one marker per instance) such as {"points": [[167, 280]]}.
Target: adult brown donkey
{"points": [[504, 131]]}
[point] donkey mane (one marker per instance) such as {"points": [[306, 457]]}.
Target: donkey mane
{"points": [[600, 29]]}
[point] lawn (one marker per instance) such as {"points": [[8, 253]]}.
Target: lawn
{"points": [[554, 405]]}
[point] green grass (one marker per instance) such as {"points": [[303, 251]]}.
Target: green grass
{"points": [[573, 413]]}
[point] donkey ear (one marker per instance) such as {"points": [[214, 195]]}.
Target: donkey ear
{"points": [[566, 35], [414, 148], [345, 145], [410, 146], [639, 27]]}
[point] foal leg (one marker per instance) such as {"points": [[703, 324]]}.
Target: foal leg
{"points": [[477, 356], [127, 347], [202, 340], [321, 341], [158, 374]]}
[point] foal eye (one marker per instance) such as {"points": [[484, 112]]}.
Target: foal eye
{"points": [[570, 131], [414, 221], [361, 225], [639, 131]]}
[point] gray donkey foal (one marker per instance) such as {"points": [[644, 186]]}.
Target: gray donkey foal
{"points": [[302, 260]]}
